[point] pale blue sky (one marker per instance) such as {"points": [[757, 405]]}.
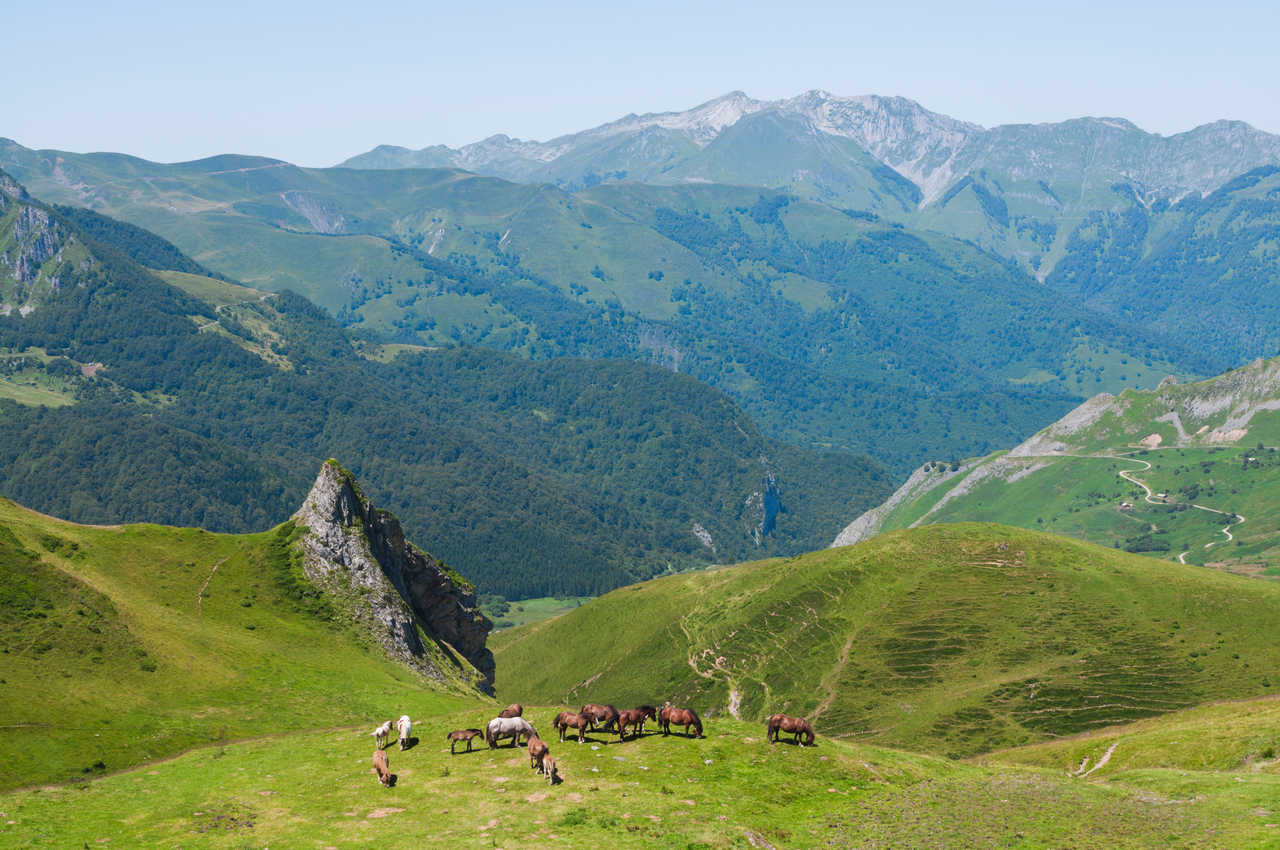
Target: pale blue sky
{"points": [[317, 82]]}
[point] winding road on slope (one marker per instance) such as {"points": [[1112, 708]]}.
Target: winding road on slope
{"points": [[1127, 475]]}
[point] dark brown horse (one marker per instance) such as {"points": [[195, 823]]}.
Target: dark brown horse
{"points": [[461, 735], [569, 720], [603, 716], [635, 717], [670, 716], [537, 749], [795, 725], [513, 710]]}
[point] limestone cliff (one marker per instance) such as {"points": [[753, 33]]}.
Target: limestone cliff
{"points": [[419, 611]]}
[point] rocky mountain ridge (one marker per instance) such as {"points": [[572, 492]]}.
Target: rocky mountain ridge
{"points": [[419, 611], [932, 150], [36, 251], [1185, 471]]}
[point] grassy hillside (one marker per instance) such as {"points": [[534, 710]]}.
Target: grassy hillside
{"points": [[1239, 736], [125, 644], [955, 639], [1185, 471], [731, 790]]}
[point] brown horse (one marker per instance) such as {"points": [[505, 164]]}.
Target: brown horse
{"points": [[635, 717], [602, 715], [382, 768], [537, 749], [569, 720], [513, 710], [461, 735], [670, 716], [795, 725], [548, 769]]}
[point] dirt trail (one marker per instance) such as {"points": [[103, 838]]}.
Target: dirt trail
{"points": [[1106, 757], [204, 587], [1127, 475], [835, 677]]}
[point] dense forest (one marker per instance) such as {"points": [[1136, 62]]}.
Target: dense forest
{"points": [[530, 477]]}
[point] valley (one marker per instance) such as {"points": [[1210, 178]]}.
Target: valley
{"points": [[960, 443]]}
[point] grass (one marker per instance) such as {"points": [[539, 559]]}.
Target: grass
{"points": [[210, 290], [126, 644], [729, 790], [525, 611], [1232, 736], [36, 388], [1079, 492], [1082, 496], [952, 639]]}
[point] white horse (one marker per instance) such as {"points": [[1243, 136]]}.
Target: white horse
{"points": [[507, 727], [405, 726], [381, 734]]}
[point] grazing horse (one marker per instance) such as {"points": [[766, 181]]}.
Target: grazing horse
{"points": [[548, 769], [381, 767], [381, 734], [603, 715], [507, 727], [796, 725], [404, 726], [461, 735], [635, 717], [670, 716], [513, 710], [537, 749], [569, 720]]}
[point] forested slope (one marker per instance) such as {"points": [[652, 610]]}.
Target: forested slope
{"points": [[530, 477]]}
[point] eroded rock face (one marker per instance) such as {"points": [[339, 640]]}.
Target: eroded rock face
{"points": [[359, 554]]}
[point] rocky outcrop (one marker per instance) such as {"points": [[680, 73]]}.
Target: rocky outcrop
{"points": [[419, 611], [11, 189]]}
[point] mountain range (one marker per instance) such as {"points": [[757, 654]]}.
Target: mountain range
{"points": [[888, 155], [798, 309], [157, 393]]}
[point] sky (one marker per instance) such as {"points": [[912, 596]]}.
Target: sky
{"points": [[315, 83]]}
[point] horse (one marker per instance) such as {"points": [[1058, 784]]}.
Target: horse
{"points": [[537, 749], [635, 717], [507, 727], [548, 769], [381, 767], [567, 719], [513, 710], [670, 716], [606, 715], [404, 726], [796, 725], [381, 734], [461, 735]]}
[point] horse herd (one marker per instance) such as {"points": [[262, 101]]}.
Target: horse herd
{"points": [[510, 723]]}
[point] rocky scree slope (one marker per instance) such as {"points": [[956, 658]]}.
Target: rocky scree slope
{"points": [[419, 611]]}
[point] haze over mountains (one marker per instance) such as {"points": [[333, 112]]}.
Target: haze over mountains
{"points": [[836, 149]]}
